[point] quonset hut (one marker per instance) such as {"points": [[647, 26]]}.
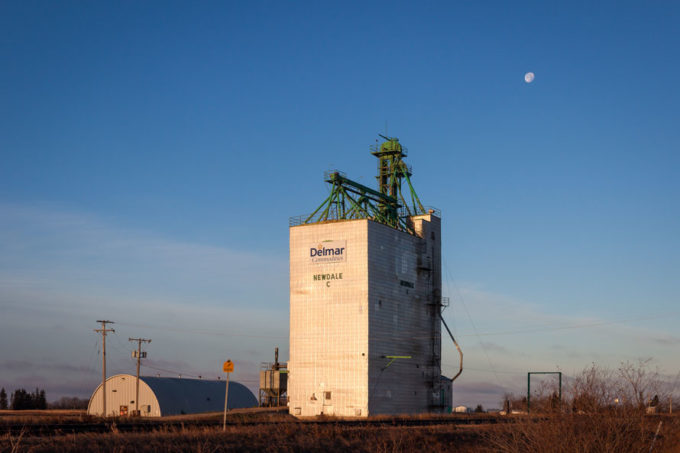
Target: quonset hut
{"points": [[365, 299], [161, 396]]}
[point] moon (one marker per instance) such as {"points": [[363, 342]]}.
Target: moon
{"points": [[529, 77]]}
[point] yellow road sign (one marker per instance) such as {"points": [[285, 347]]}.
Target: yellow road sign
{"points": [[228, 366]]}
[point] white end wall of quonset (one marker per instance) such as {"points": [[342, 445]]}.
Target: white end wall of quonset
{"points": [[329, 319], [120, 398], [404, 282]]}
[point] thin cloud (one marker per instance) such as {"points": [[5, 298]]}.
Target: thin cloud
{"points": [[479, 388], [491, 347], [25, 365], [668, 340], [55, 388], [16, 365], [60, 271], [47, 247], [202, 303], [503, 316]]}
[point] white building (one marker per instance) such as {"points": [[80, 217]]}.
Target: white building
{"points": [[160, 396], [365, 332]]}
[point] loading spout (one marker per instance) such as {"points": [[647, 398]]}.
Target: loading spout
{"points": [[460, 352]]}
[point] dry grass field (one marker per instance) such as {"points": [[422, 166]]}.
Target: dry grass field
{"points": [[601, 411], [267, 431]]}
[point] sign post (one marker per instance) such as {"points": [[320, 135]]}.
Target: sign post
{"points": [[228, 368]]}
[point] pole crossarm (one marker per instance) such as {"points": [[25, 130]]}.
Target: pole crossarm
{"points": [[104, 330]]}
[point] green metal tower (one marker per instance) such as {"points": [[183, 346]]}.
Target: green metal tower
{"points": [[392, 170], [387, 205]]}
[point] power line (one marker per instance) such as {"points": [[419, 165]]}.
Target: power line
{"points": [[193, 375], [122, 348], [481, 343], [219, 333], [484, 370], [93, 353], [570, 326]]}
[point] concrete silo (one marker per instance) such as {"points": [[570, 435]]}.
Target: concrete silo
{"points": [[365, 298]]}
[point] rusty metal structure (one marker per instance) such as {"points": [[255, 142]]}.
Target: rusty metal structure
{"points": [[273, 383]]}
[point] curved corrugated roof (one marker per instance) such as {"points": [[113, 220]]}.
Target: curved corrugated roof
{"points": [[190, 396]]}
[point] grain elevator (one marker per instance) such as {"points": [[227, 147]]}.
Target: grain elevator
{"points": [[365, 298]]}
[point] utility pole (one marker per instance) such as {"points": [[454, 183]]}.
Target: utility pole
{"points": [[103, 331], [140, 355]]}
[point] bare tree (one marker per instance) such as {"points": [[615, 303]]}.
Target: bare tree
{"points": [[591, 390], [638, 382]]}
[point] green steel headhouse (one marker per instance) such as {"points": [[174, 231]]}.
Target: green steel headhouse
{"points": [[387, 205]]}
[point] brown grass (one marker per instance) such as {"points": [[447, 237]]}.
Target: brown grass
{"points": [[28, 417], [602, 432], [284, 437], [602, 411], [597, 433]]}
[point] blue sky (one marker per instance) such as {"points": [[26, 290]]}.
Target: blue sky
{"points": [[151, 154]]}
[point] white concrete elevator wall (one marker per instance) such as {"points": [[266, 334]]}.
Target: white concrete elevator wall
{"points": [[342, 328], [329, 321], [404, 284]]}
